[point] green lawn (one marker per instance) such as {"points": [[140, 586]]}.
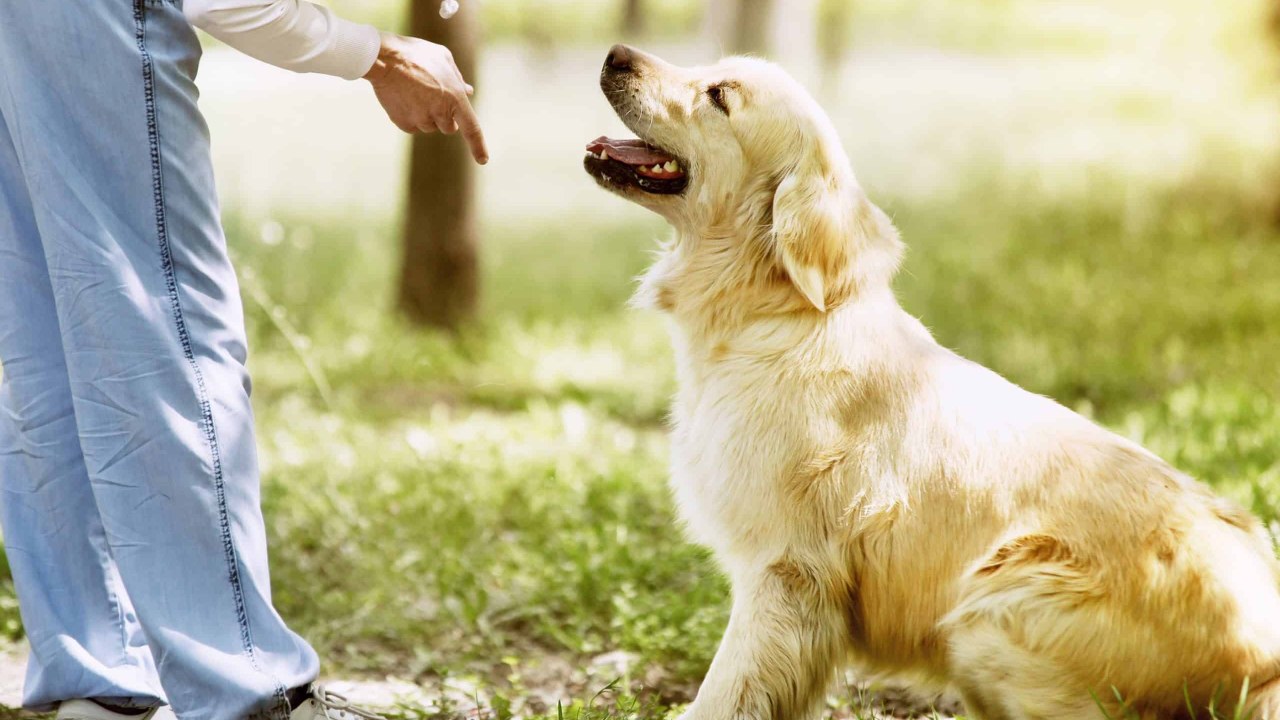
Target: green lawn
{"points": [[476, 506], [490, 510]]}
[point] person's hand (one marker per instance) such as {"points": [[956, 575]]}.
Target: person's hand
{"points": [[422, 90]]}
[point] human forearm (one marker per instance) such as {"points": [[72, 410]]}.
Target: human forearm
{"points": [[291, 34], [416, 81]]}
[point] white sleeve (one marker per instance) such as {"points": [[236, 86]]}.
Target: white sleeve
{"points": [[292, 34]]}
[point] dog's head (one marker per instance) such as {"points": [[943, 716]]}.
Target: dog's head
{"points": [[739, 152]]}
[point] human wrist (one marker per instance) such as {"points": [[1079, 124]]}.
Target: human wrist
{"points": [[390, 55]]}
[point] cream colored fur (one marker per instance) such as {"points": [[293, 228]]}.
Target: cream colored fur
{"points": [[873, 497]]}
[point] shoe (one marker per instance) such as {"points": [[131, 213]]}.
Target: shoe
{"points": [[324, 705], [90, 710]]}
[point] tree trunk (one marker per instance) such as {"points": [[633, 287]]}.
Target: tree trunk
{"points": [[774, 29], [835, 30], [633, 19], [751, 27], [793, 29], [1275, 21], [439, 280], [717, 22]]}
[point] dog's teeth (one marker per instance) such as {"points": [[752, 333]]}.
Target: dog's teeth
{"points": [[671, 166], [604, 154], [657, 168]]}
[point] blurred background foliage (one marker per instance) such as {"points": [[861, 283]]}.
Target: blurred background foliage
{"points": [[1091, 197]]}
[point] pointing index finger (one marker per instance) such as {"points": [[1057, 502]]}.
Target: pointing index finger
{"points": [[466, 118]]}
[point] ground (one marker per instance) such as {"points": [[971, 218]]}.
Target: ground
{"points": [[481, 520]]}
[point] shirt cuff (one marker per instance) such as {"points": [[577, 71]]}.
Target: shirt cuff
{"points": [[355, 48]]}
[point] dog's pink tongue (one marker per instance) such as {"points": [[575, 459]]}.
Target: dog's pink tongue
{"points": [[632, 152]]}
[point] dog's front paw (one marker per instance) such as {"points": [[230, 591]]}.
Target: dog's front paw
{"points": [[698, 712], [710, 711]]}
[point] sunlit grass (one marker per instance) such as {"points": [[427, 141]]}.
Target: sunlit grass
{"points": [[481, 506], [501, 495]]}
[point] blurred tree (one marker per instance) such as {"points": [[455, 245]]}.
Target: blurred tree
{"points": [[538, 32], [835, 31], [783, 31], [633, 18], [751, 27], [1273, 18], [439, 280], [739, 26]]}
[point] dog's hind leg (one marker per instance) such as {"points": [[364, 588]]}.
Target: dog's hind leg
{"points": [[1022, 600], [786, 633], [998, 680], [1266, 701]]}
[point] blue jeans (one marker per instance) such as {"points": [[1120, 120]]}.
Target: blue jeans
{"points": [[128, 473]]}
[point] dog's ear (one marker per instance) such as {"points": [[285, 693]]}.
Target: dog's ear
{"points": [[812, 214]]}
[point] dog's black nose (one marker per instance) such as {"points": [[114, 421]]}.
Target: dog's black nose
{"points": [[619, 58]]}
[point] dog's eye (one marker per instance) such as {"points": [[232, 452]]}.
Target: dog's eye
{"points": [[716, 94]]}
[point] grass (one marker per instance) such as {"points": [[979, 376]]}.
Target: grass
{"points": [[481, 506], [489, 511]]}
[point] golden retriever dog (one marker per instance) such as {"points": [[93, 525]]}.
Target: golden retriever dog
{"points": [[873, 497]]}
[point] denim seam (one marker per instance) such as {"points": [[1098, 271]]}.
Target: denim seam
{"points": [[113, 598], [184, 337]]}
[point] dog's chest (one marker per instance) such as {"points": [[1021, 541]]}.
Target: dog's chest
{"points": [[735, 440]]}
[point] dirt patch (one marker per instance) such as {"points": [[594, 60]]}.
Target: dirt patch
{"points": [[541, 686]]}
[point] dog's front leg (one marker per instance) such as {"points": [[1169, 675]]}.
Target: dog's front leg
{"points": [[779, 653]]}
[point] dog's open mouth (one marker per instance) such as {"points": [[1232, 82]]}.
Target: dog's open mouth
{"points": [[635, 163]]}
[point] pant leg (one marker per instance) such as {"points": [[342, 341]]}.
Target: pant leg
{"points": [[102, 106], [85, 638]]}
